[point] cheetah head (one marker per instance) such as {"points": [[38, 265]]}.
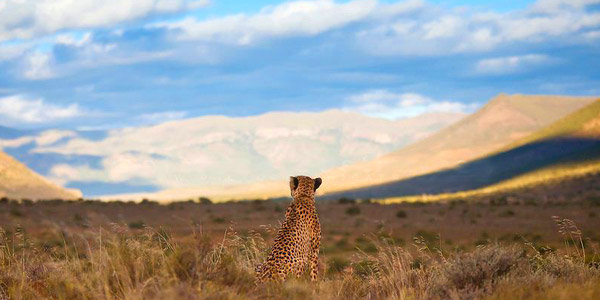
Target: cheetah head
{"points": [[304, 186]]}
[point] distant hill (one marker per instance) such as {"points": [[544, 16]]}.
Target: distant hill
{"points": [[568, 147], [17, 182], [261, 152], [503, 121], [213, 153]]}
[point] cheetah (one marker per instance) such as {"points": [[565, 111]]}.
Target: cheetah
{"points": [[299, 238]]}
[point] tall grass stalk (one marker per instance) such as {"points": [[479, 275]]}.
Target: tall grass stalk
{"points": [[118, 263]]}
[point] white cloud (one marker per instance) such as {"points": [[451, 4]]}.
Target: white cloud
{"points": [[45, 138], [511, 64], [161, 117], [445, 27], [49, 137], [553, 6], [19, 108], [403, 28], [12, 51], [62, 174], [86, 53], [15, 143], [29, 18], [412, 27], [389, 105], [38, 66], [449, 31], [297, 18]]}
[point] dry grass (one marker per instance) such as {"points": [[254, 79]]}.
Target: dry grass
{"points": [[543, 177], [119, 263]]}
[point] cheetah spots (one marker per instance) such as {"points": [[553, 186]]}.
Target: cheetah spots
{"points": [[298, 240]]}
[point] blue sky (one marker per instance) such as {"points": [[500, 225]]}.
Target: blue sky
{"points": [[107, 64]]}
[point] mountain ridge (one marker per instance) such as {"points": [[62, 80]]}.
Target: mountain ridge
{"points": [[19, 182], [216, 150], [568, 146], [530, 117], [504, 119]]}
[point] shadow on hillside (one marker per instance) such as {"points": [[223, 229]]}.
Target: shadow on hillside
{"points": [[485, 171]]}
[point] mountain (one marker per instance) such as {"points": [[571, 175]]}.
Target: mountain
{"points": [[17, 182], [504, 120], [216, 151], [569, 147]]}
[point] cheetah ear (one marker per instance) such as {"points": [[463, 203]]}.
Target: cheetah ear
{"points": [[318, 182], [293, 183]]}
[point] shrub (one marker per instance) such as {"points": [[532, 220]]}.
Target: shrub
{"points": [[471, 274], [126, 264], [27, 202], [204, 200], [345, 200], [137, 225], [507, 213], [15, 212], [365, 245], [148, 202], [401, 214], [499, 201], [337, 265], [353, 210], [218, 220], [594, 200], [79, 220]]}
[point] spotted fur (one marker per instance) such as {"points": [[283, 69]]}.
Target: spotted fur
{"points": [[299, 238]]}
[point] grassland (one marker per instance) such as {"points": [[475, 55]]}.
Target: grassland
{"points": [[503, 247], [573, 124], [571, 174]]}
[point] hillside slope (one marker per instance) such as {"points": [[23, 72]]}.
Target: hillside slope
{"points": [[565, 148], [17, 182], [503, 121], [217, 151]]}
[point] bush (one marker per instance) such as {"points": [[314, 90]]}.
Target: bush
{"points": [[353, 210], [471, 274], [366, 245], [345, 200], [507, 213], [125, 264], [27, 202], [337, 265], [594, 200], [401, 214], [500, 201], [204, 200], [15, 212], [218, 220], [148, 202], [80, 221], [137, 225]]}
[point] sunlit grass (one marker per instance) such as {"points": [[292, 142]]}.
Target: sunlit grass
{"points": [[546, 176], [118, 263]]}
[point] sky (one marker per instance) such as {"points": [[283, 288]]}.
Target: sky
{"points": [[92, 64], [102, 92]]}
